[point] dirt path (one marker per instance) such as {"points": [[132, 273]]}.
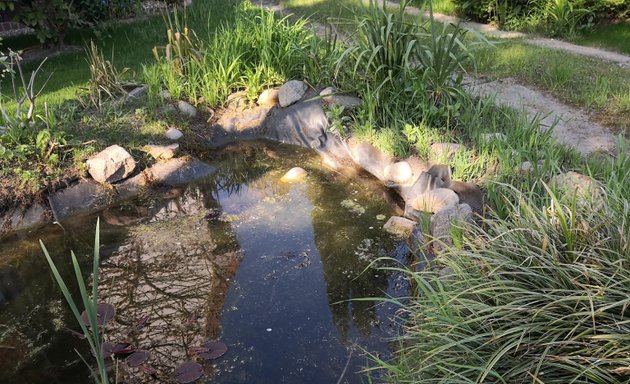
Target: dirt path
{"points": [[571, 126]]}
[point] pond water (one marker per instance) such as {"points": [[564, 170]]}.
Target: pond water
{"points": [[268, 268]]}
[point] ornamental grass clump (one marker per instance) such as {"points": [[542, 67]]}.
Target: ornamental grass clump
{"points": [[541, 296]]}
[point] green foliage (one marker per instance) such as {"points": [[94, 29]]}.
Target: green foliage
{"points": [[339, 120], [92, 330], [538, 297], [404, 72], [499, 12], [563, 17], [256, 50]]}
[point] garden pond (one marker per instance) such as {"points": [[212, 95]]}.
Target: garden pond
{"points": [[268, 268]]}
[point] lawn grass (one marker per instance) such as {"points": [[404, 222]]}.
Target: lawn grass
{"points": [[593, 85], [614, 36], [129, 44]]}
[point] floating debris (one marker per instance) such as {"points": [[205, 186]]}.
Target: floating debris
{"points": [[215, 349], [188, 372], [137, 358]]}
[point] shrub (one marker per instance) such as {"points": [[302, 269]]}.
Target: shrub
{"points": [[499, 12]]}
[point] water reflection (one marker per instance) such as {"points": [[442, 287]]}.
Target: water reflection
{"points": [[173, 270]]}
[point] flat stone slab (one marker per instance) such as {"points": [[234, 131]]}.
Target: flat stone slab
{"points": [[85, 197]]}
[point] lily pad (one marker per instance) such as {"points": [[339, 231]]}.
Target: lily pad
{"points": [[216, 349], [137, 358], [123, 349], [188, 372], [104, 313]]}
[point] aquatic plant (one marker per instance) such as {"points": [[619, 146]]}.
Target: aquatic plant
{"points": [[95, 315]]}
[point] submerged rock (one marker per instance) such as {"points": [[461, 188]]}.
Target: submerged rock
{"points": [[399, 226], [110, 165], [20, 219], [291, 92], [295, 174]]}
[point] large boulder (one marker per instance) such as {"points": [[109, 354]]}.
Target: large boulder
{"points": [[110, 165], [435, 200], [291, 92]]}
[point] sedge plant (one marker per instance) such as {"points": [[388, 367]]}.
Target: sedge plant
{"points": [[91, 331]]}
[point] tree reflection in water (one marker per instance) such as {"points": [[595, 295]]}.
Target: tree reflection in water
{"points": [[174, 269]]}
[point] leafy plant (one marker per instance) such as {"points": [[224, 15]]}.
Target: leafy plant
{"points": [[91, 331], [563, 18], [338, 119]]}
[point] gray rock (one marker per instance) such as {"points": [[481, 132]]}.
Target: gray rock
{"points": [[21, 219], [138, 93], [81, 198], [186, 109], [291, 91], [173, 134], [444, 151], [527, 167], [161, 152], [442, 223], [331, 98], [169, 109], [586, 189], [112, 164], [268, 98], [399, 173], [165, 95], [406, 229], [468, 193], [424, 183], [435, 200], [370, 158]]}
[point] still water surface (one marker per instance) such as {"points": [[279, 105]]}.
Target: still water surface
{"points": [[266, 267]]}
